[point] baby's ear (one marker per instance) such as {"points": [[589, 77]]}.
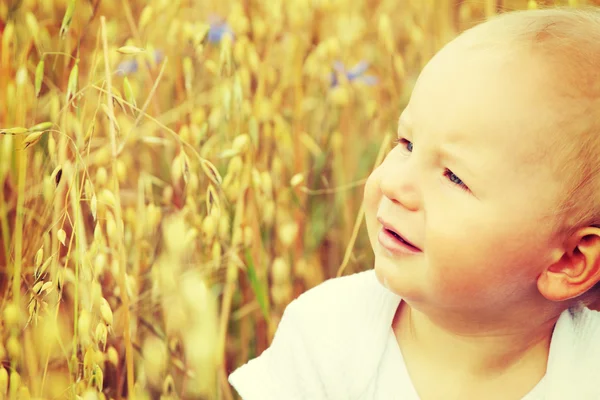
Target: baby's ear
{"points": [[577, 270]]}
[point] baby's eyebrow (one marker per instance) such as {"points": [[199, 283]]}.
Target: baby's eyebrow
{"points": [[447, 156]]}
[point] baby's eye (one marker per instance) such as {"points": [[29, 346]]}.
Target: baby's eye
{"points": [[455, 179], [405, 143]]}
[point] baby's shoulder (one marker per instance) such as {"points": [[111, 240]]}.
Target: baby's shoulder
{"points": [[335, 301], [341, 312], [343, 325], [337, 291], [327, 345]]}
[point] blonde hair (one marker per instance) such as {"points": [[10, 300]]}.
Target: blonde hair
{"points": [[567, 41]]}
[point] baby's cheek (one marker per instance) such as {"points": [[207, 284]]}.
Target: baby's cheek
{"points": [[371, 191], [372, 197], [478, 259], [458, 251]]}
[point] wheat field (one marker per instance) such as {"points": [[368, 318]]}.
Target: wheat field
{"points": [[174, 172]]}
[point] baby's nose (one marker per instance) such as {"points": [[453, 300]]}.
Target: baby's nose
{"points": [[398, 181]]}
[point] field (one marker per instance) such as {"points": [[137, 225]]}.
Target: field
{"points": [[174, 172]]}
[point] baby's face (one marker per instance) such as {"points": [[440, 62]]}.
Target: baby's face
{"points": [[469, 184]]}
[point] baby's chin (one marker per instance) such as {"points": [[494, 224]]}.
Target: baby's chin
{"points": [[383, 279], [399, 282]]}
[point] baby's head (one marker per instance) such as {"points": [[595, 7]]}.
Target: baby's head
{"points": [[495, 179]]}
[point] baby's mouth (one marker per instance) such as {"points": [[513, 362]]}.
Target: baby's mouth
{"points": [[401, 239]]}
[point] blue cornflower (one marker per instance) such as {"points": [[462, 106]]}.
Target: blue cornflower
{"points": [[356, 73], [218, 29], [130, 66]]}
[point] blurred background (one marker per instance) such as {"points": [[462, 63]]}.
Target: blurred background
{"points": [[174, 172]]}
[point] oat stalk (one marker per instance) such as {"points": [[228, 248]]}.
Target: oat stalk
{"points": [[361, 212], [119, 218]]}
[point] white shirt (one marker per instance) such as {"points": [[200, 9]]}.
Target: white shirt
{"points": [[335, 342]]}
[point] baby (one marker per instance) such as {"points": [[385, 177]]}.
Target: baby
{"points": [[484, 219]]}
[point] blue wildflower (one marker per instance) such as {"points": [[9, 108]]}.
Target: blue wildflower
{"points": [[218, 29], [128, 67], [356, 73]]}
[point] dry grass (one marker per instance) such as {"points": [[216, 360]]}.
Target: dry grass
{"points": [[165, 191]]}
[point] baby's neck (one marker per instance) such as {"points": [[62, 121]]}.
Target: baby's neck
{"points": [[473, 355]]}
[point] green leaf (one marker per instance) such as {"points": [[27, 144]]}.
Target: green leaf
{"points": [[258, 287], [317, 229]]}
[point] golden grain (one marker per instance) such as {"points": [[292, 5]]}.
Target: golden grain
{"points": [[101, 334], [39, 76], [188, 73], [13, 131], [212, 201], [129, 50], [14, 385], [94, 206], [241, 143], [37, 287], [44, 126], [167, 195], [256, 180], [211, 172], [238, 236], [216, 254], [32, 25], [56, 175], [97, 378], [32, 139], [89, 394], [101, 177], [224, 227], [288, 233], [98, 237], [48, 189], [386, 35], [311, 145], [68, 17], [129, 93], [340, 96], [39, 255], [106, 312], [154, 216], [39, 271], [73, 81], [46, 287], [177, 167], [168, 388], [112, 356], [268, 213], [121, 171], [3, 381], [281, 295], [145, 17], [84, 328], [61, 235], [296, 180], [13, 348], [209, 228], [7, 38], [155, 355]]}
